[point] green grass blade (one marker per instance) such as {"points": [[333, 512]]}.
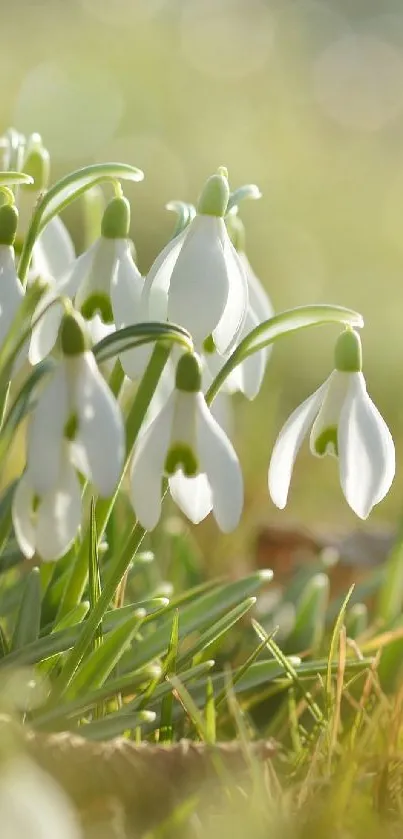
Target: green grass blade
{"points": [[29, 615]]}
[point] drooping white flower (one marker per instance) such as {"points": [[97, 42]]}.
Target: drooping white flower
{"points": [[32, 804], [198, 279], [76, 405], [48, 524], [53, 252], [11, 290], [186, 443], [247, 377], [344, 422]]}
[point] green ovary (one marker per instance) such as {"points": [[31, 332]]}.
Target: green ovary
{"points": [[180, 456], [326, 442], [70, 429]]}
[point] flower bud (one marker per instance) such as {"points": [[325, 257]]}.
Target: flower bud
{"points": [[348, 352], [116, 219], [74, 338], [8, 223], [188, 373], [213, 200]]}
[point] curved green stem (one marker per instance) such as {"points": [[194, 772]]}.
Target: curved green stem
{"points": [[285, 323]]}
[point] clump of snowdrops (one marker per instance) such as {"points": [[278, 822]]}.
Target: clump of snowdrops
{"points": [[121, 385]]}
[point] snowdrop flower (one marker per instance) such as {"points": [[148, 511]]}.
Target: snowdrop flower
{"points": [[48, 524], [33, 804], [11, 290], [198, 279], [345, 423], [75, 405], [185, 443]]}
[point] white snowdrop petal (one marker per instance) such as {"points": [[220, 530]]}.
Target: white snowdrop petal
{"points": [[251, 371], [328, 416], [59, 516], [100, 433], [73, 278], [22, 509], [220, 463], [46, 432], [45, 332], [54, 250], [258, 297], [228, 329], [11, 291], [32, 804], [100, 270], [126, 298], [366, 450], [192, 495], [200, 281], [157, 281], [287, 446], [147, 467]]}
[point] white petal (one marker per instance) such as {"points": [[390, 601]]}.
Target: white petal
{"points": [[101, 269], [23, 517], [230, 325], [200, 281], [329, 413], [147, 467], [46, 432], [101, 433], [161, 395], [11, 291], [72, 280], [44, 334], [98, 329], [258, 297], [157, 281], [59, 515], [192, 495], [366, 450], [287, 446], [251, 371], [54, 250], [220, 463], [126, 291]]}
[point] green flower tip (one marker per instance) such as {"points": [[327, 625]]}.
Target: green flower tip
{"points": [[236, 232], [116, 219], [214, 198], [37, 164], [188, 373], [348, 352], [180, 456], [74, 338], [8, 223]]}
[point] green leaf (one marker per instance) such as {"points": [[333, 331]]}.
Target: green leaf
{"points": [[333, 645], [29, 616], [115, 725], [285, 323], [94, 577], [166, 730], [137, 335], [217, 630], [309, 626], [210, 712], [24, 401], [390, 596], [6, 502], [10, 178], [246, 191], [197, 615], [97, 666]]}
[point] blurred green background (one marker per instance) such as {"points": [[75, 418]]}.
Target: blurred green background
{"points": [[304, 98]]}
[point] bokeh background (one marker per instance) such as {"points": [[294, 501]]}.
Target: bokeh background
{"points": [[303, 97]]}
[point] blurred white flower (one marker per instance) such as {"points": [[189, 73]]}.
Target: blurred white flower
{"points": [[11, 290], [186, 443], [76, 405], [198, 279], [48, 524], [345, 423], [33, 805]]}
